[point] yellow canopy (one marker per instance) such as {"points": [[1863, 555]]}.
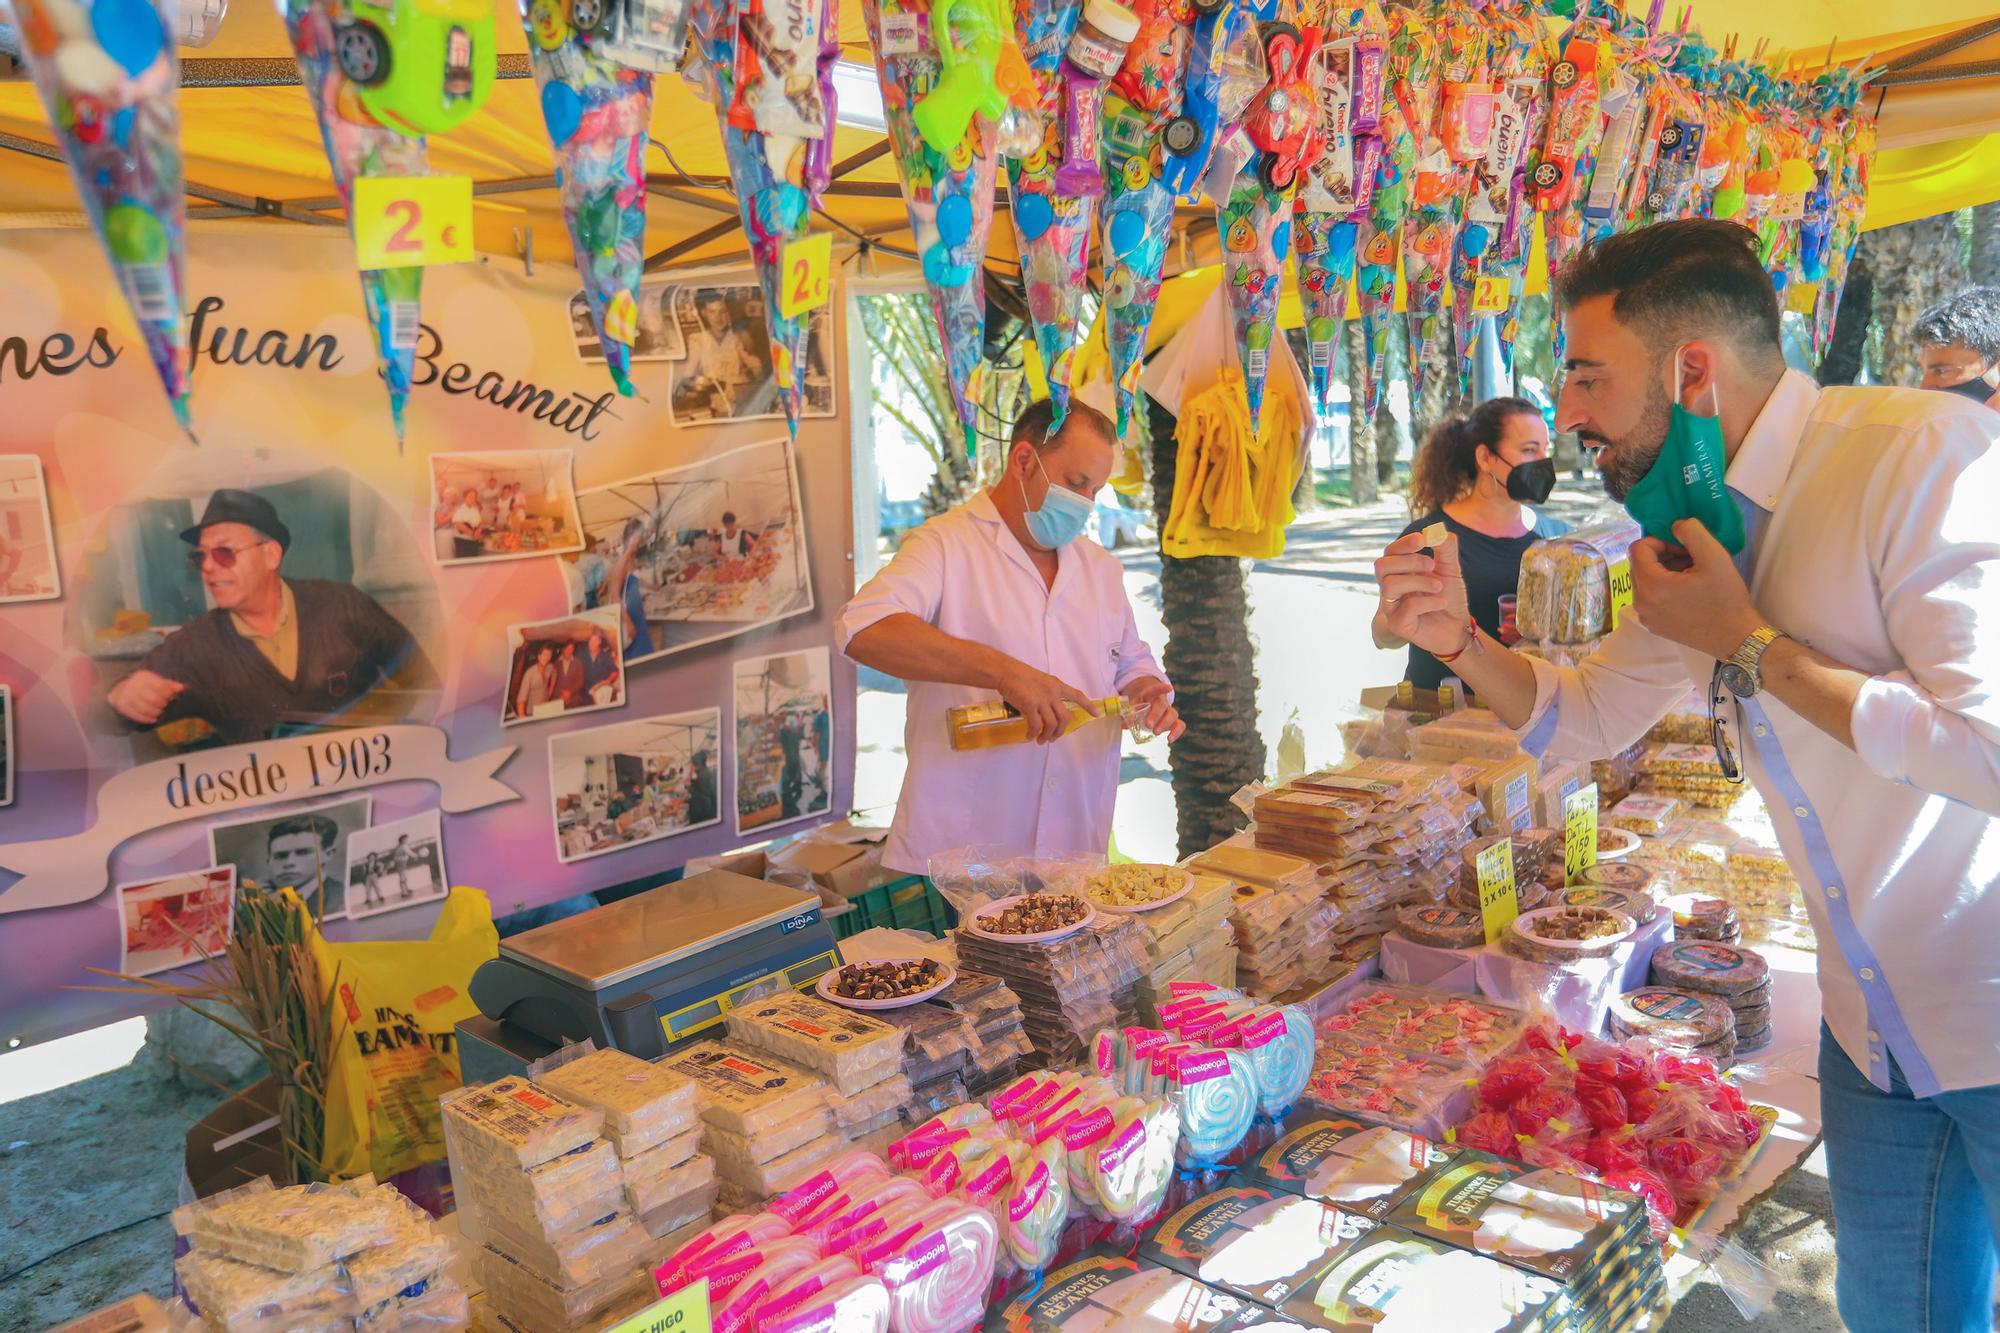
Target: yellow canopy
{"points": [[252, 146]]}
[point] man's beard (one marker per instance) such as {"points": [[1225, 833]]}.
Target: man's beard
{"points": [[1624, 463]]}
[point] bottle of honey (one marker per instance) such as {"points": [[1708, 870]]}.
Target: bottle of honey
{"points": [[993, 722]]}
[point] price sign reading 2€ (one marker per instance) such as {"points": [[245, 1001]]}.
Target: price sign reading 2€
{"points": [[1579, 832], [686, 1311], [410, 221], [1490, 296], [806, 267], [1499, 904]]}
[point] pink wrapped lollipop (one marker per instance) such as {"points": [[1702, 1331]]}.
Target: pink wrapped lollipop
{"points": [[939, 1277], [1037, 1208], [832, 1231], [731, 1236], [791, 1292], [852, 1305], [824, 1191]]}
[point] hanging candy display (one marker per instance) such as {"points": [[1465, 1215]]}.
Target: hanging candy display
{"points": [[109, 79]]}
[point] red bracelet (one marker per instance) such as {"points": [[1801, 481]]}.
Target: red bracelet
{"points": [[1471, 642]]}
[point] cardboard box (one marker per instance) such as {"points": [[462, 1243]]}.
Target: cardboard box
{"points": [[845, 869]]}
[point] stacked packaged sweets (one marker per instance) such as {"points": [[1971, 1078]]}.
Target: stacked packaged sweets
{"points": [[1692, 774], [653, 1124], [938, 1048], [356, 1255], [860, 1056], [542, 1191], [1188, 939], [999, 1030], [1403, 1055], [1068, 987], [767, 1122]]}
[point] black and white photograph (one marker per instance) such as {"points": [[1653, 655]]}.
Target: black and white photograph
{"points": [[302, 848], [697, 553], [175, 920], [659, 337], [285, 602], [635, 782], [726, 374], [559, 667], [396, 865], [28, 568], [502, 506], [784, 738]]}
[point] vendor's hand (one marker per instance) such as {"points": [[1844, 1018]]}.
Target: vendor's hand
{"points": [[1691, 594], [142, 696], [1040, 698], [1423, 596], [1158, 699]]}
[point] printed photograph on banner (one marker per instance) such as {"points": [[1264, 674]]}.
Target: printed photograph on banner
{"points": [[697, 553], [396, 865], [302, 848], [633, 782], [659, 337], [502, 506], [6, 745], [784, 738], [726, 374], [242, 596], [28, 566], [557, 667], [174, 921]]}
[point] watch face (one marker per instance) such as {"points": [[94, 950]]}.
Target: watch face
{"points": [[1738, 681]]}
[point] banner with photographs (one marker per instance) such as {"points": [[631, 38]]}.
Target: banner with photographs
{"points": [[717, 344], [298, 655]]}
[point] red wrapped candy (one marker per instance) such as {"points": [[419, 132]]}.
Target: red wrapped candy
{"points": [[1488, 1131], [1510, 1080]]}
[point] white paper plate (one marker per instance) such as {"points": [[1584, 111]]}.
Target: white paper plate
{"points": [[826, 991], [1187, 887], [1597, 946], [999, 905], [1629, 843]]}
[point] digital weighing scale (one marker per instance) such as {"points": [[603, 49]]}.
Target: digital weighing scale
{"points": [[645, 972]]}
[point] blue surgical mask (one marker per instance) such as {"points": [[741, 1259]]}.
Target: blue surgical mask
{"points": [[1062, 515]]}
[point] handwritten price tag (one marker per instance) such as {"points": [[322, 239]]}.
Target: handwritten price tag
{"points": [[408, 222], [1621, 590], [807, 265], [1499, 904], [1579, 832], [686, 1311], [1490, 296]]}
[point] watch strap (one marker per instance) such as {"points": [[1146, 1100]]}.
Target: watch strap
{"points": [[1749, 654]]}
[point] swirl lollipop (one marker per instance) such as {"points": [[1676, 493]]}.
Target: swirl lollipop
{"points": [[1037, 1208], [939, 1277], [1135, 1164], [1279, 1044], [1216, 1094]]}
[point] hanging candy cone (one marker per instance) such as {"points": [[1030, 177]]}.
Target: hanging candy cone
{"points": [[597, 112], [1492, 234], [357, 146], [1323, 247], [1419, 49], [949, 195], [1052, 195], [1406, 108], [1566, 163], [1138, 218], [109, 79], [1256, 231]]}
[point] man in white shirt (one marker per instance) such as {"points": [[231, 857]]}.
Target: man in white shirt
{"points": [[1857, 675], [1958, 345], [998, 597]]}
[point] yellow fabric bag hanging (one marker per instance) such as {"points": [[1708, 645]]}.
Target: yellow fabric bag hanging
{"points": [[395, 1006], [1233, 488]]}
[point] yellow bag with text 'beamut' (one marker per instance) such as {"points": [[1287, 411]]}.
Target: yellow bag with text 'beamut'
{"points": [[395, 1006]]}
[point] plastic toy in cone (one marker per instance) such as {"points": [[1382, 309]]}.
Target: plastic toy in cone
{"points": [[109, 79], [1225, 71], [769, 75], [949, 193], [1137, 220], [355, 147], [596, 112], [1053, 192], [1492, 239], [1449, 101]]}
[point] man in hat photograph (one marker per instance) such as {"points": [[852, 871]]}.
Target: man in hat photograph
{"points": [[273, 650]]}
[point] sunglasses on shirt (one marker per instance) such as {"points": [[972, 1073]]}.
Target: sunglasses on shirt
{"points": [[223, 556], [1719, 698]]}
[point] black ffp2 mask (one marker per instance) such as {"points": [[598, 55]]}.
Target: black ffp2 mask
{"points": [[1531, 482]]}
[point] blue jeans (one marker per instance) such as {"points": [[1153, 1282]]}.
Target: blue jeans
{"points": [[1916, 1200]]}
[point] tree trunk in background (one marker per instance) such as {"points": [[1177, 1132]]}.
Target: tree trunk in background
{"points": [[1208, 657], [1986, 245], [1362, 487], [1388, 442], [1915, 264], [1847, 347]]}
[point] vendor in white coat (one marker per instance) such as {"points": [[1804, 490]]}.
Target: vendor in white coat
{"points": [[999, 597]]}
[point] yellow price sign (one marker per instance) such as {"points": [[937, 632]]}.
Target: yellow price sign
{"points": [[686, 1311], [806, 267], [1491, 296], [1621, 590], [1499, 904], [1579, 832], [410, 221]]}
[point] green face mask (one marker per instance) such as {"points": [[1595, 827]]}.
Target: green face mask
{"points": [[1686, 480]]}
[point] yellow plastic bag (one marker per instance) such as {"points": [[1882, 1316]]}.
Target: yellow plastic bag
{"points": [[395, 1007]]}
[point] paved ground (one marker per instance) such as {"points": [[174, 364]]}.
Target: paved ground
{"points": [[90, 1143]]}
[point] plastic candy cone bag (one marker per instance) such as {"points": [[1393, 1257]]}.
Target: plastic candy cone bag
{"points": [[949, 192], [1138, 215], [1412, 62], [1449, 101], [1498, 221], [597, 112], [1053, 192], [1563, 172], [1336, 184], [356, 146], [1256, 230], [110, 81]]}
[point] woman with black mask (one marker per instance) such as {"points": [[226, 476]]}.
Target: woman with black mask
{"points": [[1479, 474]]}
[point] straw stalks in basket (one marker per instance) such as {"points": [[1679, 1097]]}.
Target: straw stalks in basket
{"points": [[264, 990]]}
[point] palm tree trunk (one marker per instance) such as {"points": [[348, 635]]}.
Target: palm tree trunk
{"points": [[1915, 265], [1986, 245], [1362, 486], [1847, 346], [1208, 657]]}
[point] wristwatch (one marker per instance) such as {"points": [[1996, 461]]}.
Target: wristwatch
{"points": [[1742, 673]]}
